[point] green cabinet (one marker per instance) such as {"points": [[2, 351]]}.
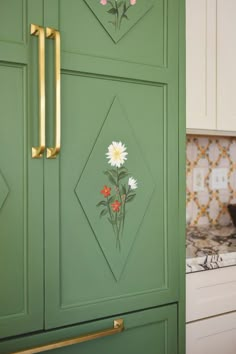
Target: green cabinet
{"points": [[153, 330], [125, 91], [21, 178], [93, 232]]}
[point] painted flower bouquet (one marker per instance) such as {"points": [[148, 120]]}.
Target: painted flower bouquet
{"points": [[119, 190], [119, 10]]}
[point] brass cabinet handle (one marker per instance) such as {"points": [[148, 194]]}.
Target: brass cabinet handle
{"points": [[118, 327], [36, 30], [54, 151]]}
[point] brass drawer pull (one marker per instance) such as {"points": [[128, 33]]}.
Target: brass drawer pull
{"points": [[37, 152], [54, 34], [118, 326]]}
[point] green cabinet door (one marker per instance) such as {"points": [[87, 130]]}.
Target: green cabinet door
{"points": [[151, 331], [111, 247], [21, 178]]}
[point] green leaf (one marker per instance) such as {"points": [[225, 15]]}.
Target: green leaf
{"points": [[112, 180], [123, 169], [119, 4], [123, 175], [113, 172], [112, 11], [111, 199], [123, 189], [103, 212], [125, 8], [102, 203], [130, 197], [122, 172], [125, 16], [109, 173]]}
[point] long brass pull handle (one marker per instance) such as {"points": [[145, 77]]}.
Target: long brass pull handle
{"points": [[36, 30], [54, 151], [118, 326]]}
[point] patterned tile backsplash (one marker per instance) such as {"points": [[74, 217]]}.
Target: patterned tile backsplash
{"points": [[206, 205]]}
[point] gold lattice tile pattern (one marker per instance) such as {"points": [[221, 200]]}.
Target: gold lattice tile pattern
{"points": [[210, 206]]}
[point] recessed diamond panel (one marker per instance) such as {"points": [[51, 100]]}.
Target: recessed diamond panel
{"points": [[3, 190], [106, 214], [118, 17]]}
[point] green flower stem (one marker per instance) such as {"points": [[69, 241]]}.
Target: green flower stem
{"points": [[123, 218], [117, 15], [117, 233], [110, 213], [123, 14], [118, 184]]}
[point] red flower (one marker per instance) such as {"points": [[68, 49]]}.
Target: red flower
{"points": [[106, 191], [116, 206]]}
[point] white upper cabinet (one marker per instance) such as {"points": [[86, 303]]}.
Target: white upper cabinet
{"points": [[211, 65], [226, 64], [201, 64]]}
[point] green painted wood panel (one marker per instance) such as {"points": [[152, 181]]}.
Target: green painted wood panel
{"points": [[153, 331], [108, 97], [89, 37], [182, 177], [114, 88], [21, 178], [13, 21]]}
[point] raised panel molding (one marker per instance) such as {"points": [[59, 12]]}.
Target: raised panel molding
{"points": [[115, 119], [4, 190], [13, 21], [116, 247], [13, 235], [16, 282], [86, 255], [150, 20]]}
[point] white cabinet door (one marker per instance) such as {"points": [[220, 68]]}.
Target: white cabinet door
{"points": [[226, 65], [215, 335], [210, 293], [201, 63]]}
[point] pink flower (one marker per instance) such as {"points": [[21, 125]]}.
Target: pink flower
{"points": [[103, 2], [132, 2]]}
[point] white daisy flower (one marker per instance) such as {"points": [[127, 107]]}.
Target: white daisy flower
{"points": [[116, 154], [133, 184]]}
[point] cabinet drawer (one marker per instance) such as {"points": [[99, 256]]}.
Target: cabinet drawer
{"points": [[152, 331], [214, 335], [210, 293]]}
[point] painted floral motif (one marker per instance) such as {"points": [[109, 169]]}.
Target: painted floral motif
{"points": [[106, 191], [119, 10], [132, 183], [116, 154], [120, 190]]}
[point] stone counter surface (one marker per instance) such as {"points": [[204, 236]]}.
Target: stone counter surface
{"points": [[210, 247]]}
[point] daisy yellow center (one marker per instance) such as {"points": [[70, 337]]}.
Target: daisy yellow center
{"points": [[116, 154]]}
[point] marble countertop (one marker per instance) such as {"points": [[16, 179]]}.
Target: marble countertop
{"points": [[210, 247]]}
